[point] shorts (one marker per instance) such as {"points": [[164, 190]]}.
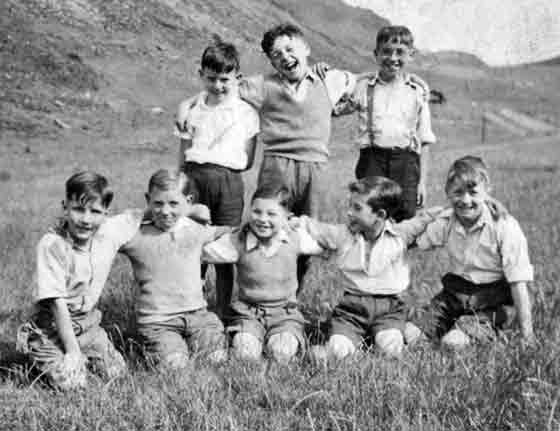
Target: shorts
{"points": [[219, 188], [491, 303], [303, 180], [44, 348], [399, 165], [361, 317], [198, 331], [264, 322]]}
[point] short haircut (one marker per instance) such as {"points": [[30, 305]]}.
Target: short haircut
{"points": [[470, 170], [167, 179], [87, 186], [273, 189], [381, 194], [286, 29], [395, 34], [220, 57]]}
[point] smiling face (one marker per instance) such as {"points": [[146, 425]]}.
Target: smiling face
{"points": [[83, 218], [267, 217], [219, 86], [467, 199], [362, 218], [288, 56], [392, 57], [167, 206]]}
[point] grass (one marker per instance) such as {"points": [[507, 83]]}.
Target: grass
{"points": [[130, 57]]}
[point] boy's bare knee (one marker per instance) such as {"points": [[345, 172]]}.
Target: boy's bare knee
{"points": [[175, 360], [390, 341], [283, 346], [340, 346], [455, 339], [247, 346]]}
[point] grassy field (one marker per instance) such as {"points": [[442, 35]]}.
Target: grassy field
{"points": [[127, 65]]}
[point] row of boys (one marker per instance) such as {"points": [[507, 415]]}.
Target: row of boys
{"points": [[489, 270]]}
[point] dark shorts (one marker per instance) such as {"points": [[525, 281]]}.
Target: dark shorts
{"points": [[264, 322], [490, 303], [361, 317], [219, 188], [303, 180], [402, 166]]}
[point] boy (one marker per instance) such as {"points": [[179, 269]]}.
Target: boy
{"points": [[217, 131], [489, 261], [394, 119], [371, 252], [165, 254], [265, 251], [73, 263]]}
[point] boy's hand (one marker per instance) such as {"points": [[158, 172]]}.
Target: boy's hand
{"points": [[199, 213], [294, 222], [320, 69], [71, 372]]}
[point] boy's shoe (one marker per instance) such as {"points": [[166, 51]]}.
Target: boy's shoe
{"points": [[455, 340]]}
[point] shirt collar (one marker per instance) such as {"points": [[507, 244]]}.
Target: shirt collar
{"points": [[484, 219], [61, 229], [252, 242], [376, 79], [226, 104]]}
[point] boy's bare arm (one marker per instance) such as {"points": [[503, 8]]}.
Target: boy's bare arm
{"points": [[65, 331], [424, 166], [183, 146], [251, 148], [522, 303]]}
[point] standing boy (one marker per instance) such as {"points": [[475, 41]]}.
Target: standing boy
{"points": [[217, 131], [73, 263], [394, 119]]}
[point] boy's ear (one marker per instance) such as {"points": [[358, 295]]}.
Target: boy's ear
{"points": [[412, 51], [200, 73], [239, 75], [189, 198], [381, 213], [147, 196], [63, 204]]}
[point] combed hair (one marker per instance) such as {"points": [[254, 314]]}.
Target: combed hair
{"points": [[220, 57], [395, 34], [286, 29], [87, 186], [276, 190], [382, 194], [470, 170], [167, 179]]}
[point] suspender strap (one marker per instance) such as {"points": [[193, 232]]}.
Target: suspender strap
{"points": [[369, 92]]}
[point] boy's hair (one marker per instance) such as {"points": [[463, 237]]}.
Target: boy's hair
{"points": [[382, 194], [220, 57], [286, 29], [87, 186], [276, 190], [395, 34], [470, 170], [167, 179]]}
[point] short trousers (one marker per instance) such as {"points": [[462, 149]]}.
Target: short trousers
{"points": [[263, 322], [491, 303], [361, 317], [44, 348], [399, 165], [198, 331], [219, 188], [303, 180]]}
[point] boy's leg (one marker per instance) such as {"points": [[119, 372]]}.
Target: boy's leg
{"points": [[285, 332], [348, 325], [246, 324], [372, 162], [205, 334], [104, 357], [388, 315], [165, 342], [404, 168]]}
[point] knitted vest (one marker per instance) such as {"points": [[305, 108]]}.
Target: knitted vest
{"points": [[296, 129]]}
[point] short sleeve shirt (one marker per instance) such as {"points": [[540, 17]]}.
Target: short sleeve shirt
{"points": [[488, 251], [77, 274], [401, 113], [219, 133]]}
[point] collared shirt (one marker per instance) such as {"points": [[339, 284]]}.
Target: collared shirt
{"points": [[401, 113], [78, 274], [488, 251], [219, 133], [379, 268], [266, 274], [166, 266]]}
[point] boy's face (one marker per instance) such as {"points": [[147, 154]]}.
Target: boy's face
{"points": [[266, 218], [467, 200], [167, 206], [219, 85], [288, 56], [392, 57], [361, 217], [83, 218]]}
